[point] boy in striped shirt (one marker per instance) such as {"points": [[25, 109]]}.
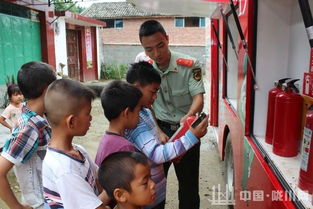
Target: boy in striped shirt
{"points": [[146, 136]]}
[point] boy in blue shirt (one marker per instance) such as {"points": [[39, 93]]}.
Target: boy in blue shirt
{"points": [[146, 136]]}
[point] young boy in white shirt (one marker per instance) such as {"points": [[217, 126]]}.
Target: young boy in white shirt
{"points": [[69, 174]]}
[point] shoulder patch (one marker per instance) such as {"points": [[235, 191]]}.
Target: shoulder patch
{"points": [[197, 74], [184, 62]]}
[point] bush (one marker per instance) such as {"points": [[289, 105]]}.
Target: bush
{"points": [[113, 71]]}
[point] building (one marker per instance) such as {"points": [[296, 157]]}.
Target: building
{"points": [[32, 31], [120, 42], [76, 46], [26, 35]]}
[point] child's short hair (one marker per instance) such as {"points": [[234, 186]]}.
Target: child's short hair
{"points": [[65, 97], [144, 73], [13, 89], [34, 77], [118, 96], [117, 170]]}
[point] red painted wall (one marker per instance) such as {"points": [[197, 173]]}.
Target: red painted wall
{"points": [[89, 74], [47, 38], [214, 73], [258, 176]]}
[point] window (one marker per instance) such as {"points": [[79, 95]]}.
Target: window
{"points": [[179, 22], [16, 10], [202, 22], [118, 24], [189, 22], [232, 63], [112, 23]]}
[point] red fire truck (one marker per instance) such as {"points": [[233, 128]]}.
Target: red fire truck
{"points": [[253, 43]]}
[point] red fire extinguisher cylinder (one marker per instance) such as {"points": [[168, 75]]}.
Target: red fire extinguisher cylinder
{"points": [[184, 128], [287, 121], [271, 109], [306, 168]]}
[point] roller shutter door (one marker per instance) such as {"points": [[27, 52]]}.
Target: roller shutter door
{"points": [[19, 43]]}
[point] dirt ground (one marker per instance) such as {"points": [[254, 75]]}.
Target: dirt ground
{"points": [[211, 167]]}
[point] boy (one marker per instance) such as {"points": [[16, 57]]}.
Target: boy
{"points": [[27, 144], [146, 136], [126, 178], [120, 102], [69, 174]]}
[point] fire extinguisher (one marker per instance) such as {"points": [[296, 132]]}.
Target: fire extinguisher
{"points": [[287, 121], [306, 168], [191, 121], [271, 109], [183, 129]]}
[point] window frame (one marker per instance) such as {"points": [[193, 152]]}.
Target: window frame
{"points": [[202, 20], [179, 18], [116, 23]]}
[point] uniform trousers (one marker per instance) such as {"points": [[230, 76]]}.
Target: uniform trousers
{"points": [[187, 172]]}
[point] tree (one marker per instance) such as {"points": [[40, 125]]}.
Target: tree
{"points": [[67, 5]]}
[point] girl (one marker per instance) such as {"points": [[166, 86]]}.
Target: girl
{"points": [[13, 111]]}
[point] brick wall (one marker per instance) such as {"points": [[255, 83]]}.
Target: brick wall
{"points": [[125, 54], [188, 36], [122, 45]]}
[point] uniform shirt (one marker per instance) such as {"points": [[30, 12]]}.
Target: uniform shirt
{"points": [[146, 139], [179, 84], [69, 182], [26, 149]]}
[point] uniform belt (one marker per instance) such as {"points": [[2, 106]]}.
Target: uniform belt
{"points": [[171, 126]]}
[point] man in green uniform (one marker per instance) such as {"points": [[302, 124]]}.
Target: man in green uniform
{"points": [[180, 96]]}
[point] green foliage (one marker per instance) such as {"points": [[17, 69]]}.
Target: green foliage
{"points": [[10, 80], [64, 5], [113, 71]]}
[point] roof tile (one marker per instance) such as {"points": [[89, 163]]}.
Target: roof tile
{"points": [[112, 10]]}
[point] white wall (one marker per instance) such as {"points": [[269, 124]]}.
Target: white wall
{"points": [[282, 51], [99, 52], [60, 45], [299, 48]]}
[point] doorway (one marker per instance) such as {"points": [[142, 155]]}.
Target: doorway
{"points": [[73, 54]]}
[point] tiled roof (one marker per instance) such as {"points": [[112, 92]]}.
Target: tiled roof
{"points": [[111, 10]]}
